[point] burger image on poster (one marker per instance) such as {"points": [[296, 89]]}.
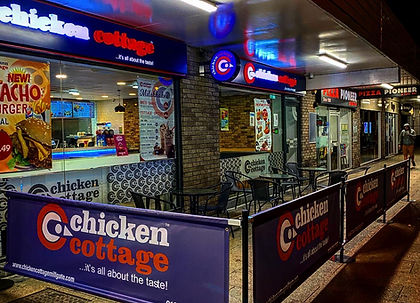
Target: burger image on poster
{"points": [[31, 144]]}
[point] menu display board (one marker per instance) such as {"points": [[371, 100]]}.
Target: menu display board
{"points": [[224, 119], [25, 125], [262, 125], [83, 109], [61, 109], [157, 123]]}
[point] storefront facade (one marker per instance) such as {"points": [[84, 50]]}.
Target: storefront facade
{"points": [[259, 114], [105, 99]]}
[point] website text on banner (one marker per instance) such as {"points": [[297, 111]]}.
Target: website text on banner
{"points": [[292, 240], [396, 182], [122, 253]]}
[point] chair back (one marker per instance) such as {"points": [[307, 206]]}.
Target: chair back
{"points": [[232, 180], [292, 167], [260, 189], [275, 170], [223, 200], [138, 200], [335, 177]]}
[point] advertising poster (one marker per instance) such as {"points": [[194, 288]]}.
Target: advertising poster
{"points": [[25, 124], [224, 119], [396, 183], [262, 125], [157, 121], [364, 201], [120, 145], [291, 241], [127, 254]]}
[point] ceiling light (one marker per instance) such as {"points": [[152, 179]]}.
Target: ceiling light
{"points": [[132, 94], [204, 5], [80, 98], [333, 60], [387, 86], [61, 76], [135, 86], [121, 83], [105, 96], [119, 108], [74, 92]]}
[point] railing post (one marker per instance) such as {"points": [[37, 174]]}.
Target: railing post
{"points": [[408, 181], [244, 223]]}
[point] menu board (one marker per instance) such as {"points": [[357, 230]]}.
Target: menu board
{"points": [[157, 124], [83, 109], [61, 109], [262, 125], [25, 125]]}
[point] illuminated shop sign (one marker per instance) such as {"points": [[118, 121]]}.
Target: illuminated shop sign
{"points": [[49, 28], [252, 74], [401, 91], [337, 97]]}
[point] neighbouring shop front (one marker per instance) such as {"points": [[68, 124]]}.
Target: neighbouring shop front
{"points": [[331, 127], [259, 114], [87, 107]]}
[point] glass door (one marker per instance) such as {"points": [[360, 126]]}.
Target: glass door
{"points": [[345, 139], [291, 137], [334, 143]]}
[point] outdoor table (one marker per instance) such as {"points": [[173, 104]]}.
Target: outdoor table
{"points": [[312, 171], [194, 195], [278, 178]]}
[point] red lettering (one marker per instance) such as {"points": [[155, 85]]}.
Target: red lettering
{"points": [[73, 243], [88, 248], [98, 36], [35, 92], [161, 262]]}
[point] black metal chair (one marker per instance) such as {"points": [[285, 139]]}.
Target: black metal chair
{"points": [[220, 207], [287, 184], [239, 185], [144, 201], [292, 168], [261, 193], [334, 177]]}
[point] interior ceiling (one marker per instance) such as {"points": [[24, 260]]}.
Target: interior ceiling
{"points": [[281, 33]]}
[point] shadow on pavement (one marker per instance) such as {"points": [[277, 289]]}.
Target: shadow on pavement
{"points": [[368, 278]]}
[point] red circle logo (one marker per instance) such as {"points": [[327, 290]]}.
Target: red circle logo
{"points": [[249, 73], [285, 236], [5, 145], [51, 213]]}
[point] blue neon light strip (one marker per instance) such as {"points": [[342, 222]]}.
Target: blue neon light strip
{"points": [[83, 154]]}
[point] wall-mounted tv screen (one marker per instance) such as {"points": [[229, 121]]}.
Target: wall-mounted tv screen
{"points": [[83, 109], [61, 109]]}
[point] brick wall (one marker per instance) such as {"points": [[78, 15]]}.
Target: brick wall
{"points": [[105, 111], [200, 124], [240, 134], [131, 124], [308, 149]]}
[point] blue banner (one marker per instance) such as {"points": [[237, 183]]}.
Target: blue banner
{"points": [[364, 201], [396, 182], [292, 240], [122, 253], [54, 29]]}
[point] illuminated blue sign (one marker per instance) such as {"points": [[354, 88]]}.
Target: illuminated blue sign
{"points": [[252, 74], [49, 28], [224, 66]]}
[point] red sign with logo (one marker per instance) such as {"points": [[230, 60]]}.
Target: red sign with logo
{"points": [[120, 145]]}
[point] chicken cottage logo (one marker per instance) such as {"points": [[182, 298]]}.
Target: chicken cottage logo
{"points": [[224, 66], [57, 230], [251, 73], [367, 193], [301, 230], [396, 179]]}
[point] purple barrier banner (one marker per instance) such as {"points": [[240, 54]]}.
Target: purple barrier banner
{"points": [[396, 182], [364, 201], [292, 240], [119, 252]]}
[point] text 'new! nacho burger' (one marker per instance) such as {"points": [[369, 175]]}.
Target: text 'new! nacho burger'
{"points": [[31, 144]]}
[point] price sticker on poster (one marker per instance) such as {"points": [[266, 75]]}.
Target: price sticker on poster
{"points": [[262, 125], [25, 124]]}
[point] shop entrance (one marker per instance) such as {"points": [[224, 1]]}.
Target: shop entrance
{"points": [[292, 135], [391, 135], [333, 142]]}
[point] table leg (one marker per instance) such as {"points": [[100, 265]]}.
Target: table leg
{"points": [[312, 180]]}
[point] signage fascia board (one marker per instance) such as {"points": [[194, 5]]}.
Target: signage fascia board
{"points": [[54, 30]]}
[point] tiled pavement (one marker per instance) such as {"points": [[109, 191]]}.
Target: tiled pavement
{"points": [[387, 267]]}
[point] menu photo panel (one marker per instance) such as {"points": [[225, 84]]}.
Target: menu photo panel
{"points": [[25, 122]]}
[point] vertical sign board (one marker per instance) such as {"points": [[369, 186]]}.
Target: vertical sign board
{"points": [[122, 253], [25, 124], [157, 119], [364, 201], [263, 138], [292, 240], [396, 183]]}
